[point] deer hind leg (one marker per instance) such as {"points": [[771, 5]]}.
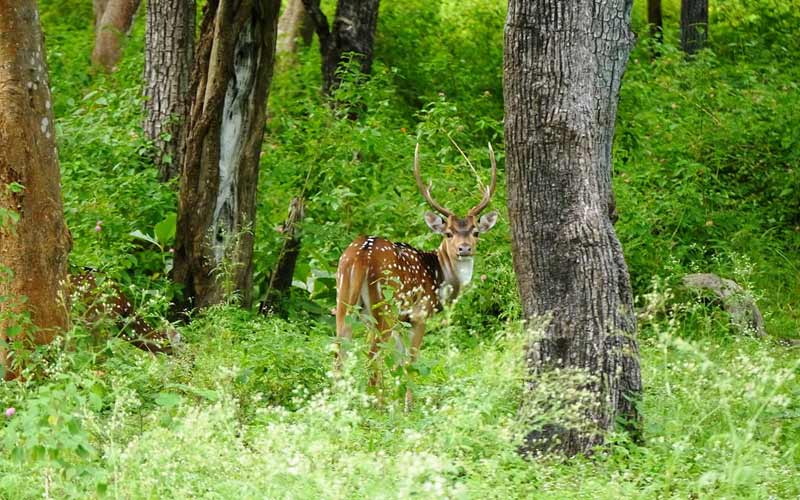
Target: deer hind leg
{"points": [[350, 282], [418, 331], [381, 313]]}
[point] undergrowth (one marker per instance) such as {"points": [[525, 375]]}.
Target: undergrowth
{"points": [[705, 161]]}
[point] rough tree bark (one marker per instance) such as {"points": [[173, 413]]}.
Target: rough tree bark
{"points": [[694, 25], [563, 65], [169, 48], [216, 209], [655, 20], [35, 247], [353, 30], [294, 25], [113, 20]]}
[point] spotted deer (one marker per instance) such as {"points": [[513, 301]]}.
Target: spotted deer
{"points": [[109, 301], [421, 282]]}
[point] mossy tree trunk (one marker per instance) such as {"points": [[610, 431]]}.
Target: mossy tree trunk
{"points": [[694, 25], [563, 65], [169, 48], [216, 209], [34, 240], [353, 31], [113, 20]]}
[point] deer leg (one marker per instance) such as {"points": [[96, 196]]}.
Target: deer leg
{"points": [[383, 332], [382, 313], [417, 332], [347, 296]]}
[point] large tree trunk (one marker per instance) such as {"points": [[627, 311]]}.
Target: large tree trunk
{"points": [[113, 20], [563, 65], [353, 31], [216, 209], [294, 25], [34, 240], [169, 48], [655, 20], [694, 25]]}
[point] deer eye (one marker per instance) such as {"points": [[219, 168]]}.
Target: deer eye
{"points": [[476, 234], [448, 234]]}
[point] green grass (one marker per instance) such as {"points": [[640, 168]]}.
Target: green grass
{"points": [[705, 161]]}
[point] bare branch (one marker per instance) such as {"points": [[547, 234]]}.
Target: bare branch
{"points": [[426, 190], [487, 195]]}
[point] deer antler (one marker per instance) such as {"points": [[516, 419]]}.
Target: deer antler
{"points": [[487, 195], [426, 190]]}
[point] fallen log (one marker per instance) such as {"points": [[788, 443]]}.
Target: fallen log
{"points": [[744, 313]]}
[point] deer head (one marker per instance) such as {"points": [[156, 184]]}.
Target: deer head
{"points": [[460, 233]]}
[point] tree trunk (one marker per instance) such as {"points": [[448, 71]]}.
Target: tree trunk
{"points": [[34, 240], [216, 209], [99, 7], [563, 65], [294, 25], [694, 25], [169, 48], [281, 278], [353, 31], [655, 20], [113, 20]]}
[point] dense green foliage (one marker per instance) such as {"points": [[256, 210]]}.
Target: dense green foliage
{"points": [[705, 158]]}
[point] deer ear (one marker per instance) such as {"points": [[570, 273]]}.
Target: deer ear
{"points": [[486, 222], [434, 222]]}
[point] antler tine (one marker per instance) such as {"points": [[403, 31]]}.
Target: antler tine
{"points": [[426, 190], [487, 195]]}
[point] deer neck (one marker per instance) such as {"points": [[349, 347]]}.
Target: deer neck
{"points": [[456, 271]]}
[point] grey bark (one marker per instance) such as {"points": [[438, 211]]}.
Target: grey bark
{"points": [[169, 48], [34, 242], [694, 25], [745, 315], [294, 25], [353, 31], [216, 209], [113, 21], [563, 65]]}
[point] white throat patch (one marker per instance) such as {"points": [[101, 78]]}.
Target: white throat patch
{"points": [[463, 270]]}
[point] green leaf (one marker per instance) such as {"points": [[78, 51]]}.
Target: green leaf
{"points": [[13, 330], [165, 230], [202, 393], [145, 237], [168, 399]]}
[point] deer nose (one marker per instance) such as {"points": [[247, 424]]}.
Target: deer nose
{"points": [[464, 249]]}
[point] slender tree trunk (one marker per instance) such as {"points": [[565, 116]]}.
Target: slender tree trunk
{"points": [[280, 281], [353, 31], [655, 20], [216, 210], [694, 25], [34, 240], [563, 64], [294, 25], [169, 48], [113, 20]]}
